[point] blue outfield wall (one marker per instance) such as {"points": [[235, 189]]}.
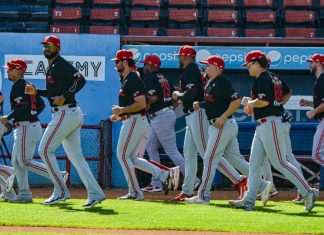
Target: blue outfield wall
{"points": [[91, 55]]}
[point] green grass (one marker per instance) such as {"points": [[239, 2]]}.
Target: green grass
{"points": [[276, 217]]}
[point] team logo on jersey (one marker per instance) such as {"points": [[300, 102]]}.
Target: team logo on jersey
{"points": [[17, 100], [190, 85], [235, 95], [121, 92], [136, 93], [209, 97], [261, 96], [50, 80]]}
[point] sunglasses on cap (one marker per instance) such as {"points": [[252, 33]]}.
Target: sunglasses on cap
{"points": [[49, 46]]}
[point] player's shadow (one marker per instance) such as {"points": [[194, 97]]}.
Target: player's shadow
{"points": [[98, 209]]}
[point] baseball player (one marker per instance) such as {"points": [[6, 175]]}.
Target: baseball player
{"points": [[25, 109], [131, 110], [163, 119], [63, 81], [196, 135], [317, 68], [266, 101], [7, 175], [221, 101]]}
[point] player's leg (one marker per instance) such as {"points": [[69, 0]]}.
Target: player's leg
{"points": [[152, 147], [163, 125], [318, 144], [31, 134], [21, 173], [58, 128], [273, 137]]}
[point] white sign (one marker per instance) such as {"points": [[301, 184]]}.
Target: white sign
{"points": [[293, 102], [91, 67]]}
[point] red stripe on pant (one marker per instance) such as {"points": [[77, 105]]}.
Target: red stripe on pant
{"points": [[210, 163], [26, 163], [5, 172], [282, 163], [317, 152], [201, 129], [124, 155], [46, 156]]}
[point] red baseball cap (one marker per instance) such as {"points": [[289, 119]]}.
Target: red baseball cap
{"points": [[252, 56], [16, 63], [123, 55], [317, 58], [214, 60], [52, 39], [152, 60], [186, 50]]}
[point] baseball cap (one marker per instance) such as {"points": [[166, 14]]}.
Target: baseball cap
{"points": [[253, 56], [317, 58], [152, 60], [214, 60], [52, 39], [16, 63], [123, 55], [186, 50]]}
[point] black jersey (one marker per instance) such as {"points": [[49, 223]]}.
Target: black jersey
{"points": [[268, 88], [285, 88], [62, 79], [219, 93], [131, 86], [156, 84], [318, 95], [192, 86], [24, 107]]}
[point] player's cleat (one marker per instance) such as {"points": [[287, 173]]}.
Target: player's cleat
{"points": [[181, 197], [272, 194], [242, 204], [196, 200], [130, 197], [176, 177], [54, 200], [150, 189], [299, 198], [10, 182], [92, 203], [21, 199], [310, 199], [65, 175], [265, 194], [167, 184], [241, 188], [197, 183], [8, 195]]}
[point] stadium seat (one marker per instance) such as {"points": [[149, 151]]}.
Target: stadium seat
{"points": [[222, 16], [36, 27], [183, 32], [145, 15], [182, 3], [147, 3], [8, 12], [265, 16], [143, 31], [12, 27], [296, 17], [185, 15], [260, 32], [222, 32], [321, 3], [107, 2], [300, 32], [222, 3], [104, 29], [105, 14], [67, 14], [259, 3], [297, 3], [65, 28], [39, 12], [68, 2]]}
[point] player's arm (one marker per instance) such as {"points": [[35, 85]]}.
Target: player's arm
{"points": [[319, 91], [20, 103], [139, 104], [151, 90], [78, 81], [191, 87]]}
